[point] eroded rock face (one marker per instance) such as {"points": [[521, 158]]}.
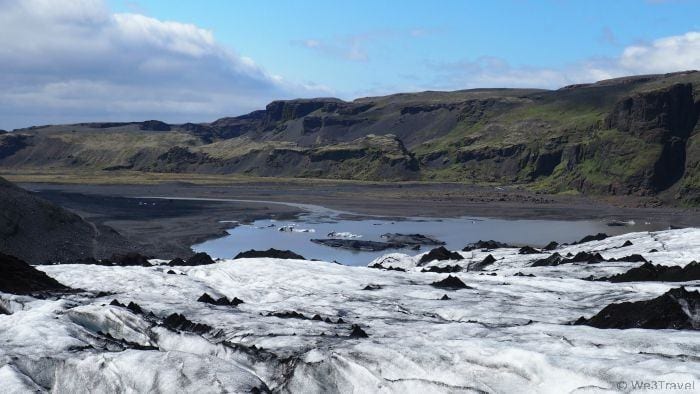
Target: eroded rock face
{"points": [[18, 277], [676, 309]]}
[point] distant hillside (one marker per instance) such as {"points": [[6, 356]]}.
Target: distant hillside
{"points": [[635, 135], [39, 232]]}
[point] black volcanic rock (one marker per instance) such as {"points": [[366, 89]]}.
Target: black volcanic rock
{"points": [[411, 239], [551, 246], [491, 244], [480, 265], [358, 332], [179, 322], [18, 277], [550, 261], [667, 311], [354, 244], [661, 273], [222, 301], [451, 282], [176, 262], [200, 258], [585, 257], [443, 270], [270, 253], [288, 315], [589, 238], [627, 243], [441, 254], [129, 259], [633, 258], [445, 297], [528, 250]]}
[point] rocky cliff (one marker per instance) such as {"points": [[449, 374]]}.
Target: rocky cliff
{"points": [[634, 135]]}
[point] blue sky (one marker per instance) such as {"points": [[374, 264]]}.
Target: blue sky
{"points": [[66, 61], [400, 45]]}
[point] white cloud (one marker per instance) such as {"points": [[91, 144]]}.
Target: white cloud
{"points": [[669, 54], [76, 61]]}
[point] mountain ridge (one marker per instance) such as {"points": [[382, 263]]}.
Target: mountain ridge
{"points": [[634, 135]]}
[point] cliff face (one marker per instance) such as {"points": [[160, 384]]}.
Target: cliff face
{"points": [[633, 135]]}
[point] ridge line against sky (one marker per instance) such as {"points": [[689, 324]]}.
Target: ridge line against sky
{"points": [[114, 60]]}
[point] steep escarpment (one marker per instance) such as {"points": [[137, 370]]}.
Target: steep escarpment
{"points": [[39, 232], [632, 135]]}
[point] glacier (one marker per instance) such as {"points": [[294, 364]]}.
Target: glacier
{"points": [[506, 333]]}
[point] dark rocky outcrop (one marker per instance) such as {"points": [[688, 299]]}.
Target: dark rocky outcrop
{"points": [[633, 258], [358, 332], [668, 311], [38, 232], [388, 268], [178, 322], [661, 273], [129, 259], [270, 253], [222, 301], [551, 246], [589, 238], [451, 282], [176, 262], [485, 245], [288, 315], [585, 257], [18, 277], [528, 250], [443, 270], [200, 258], [445, 297], [549, 261], [526, 275], [480, 265], [354, 244], [441, 254]]}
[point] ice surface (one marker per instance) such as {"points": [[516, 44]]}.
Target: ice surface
{"points": [[508, 334]]}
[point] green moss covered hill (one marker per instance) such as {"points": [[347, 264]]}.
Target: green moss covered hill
{"points": [[635, 135]]}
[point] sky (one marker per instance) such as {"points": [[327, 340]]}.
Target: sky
{"points": [[67, 61]]}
